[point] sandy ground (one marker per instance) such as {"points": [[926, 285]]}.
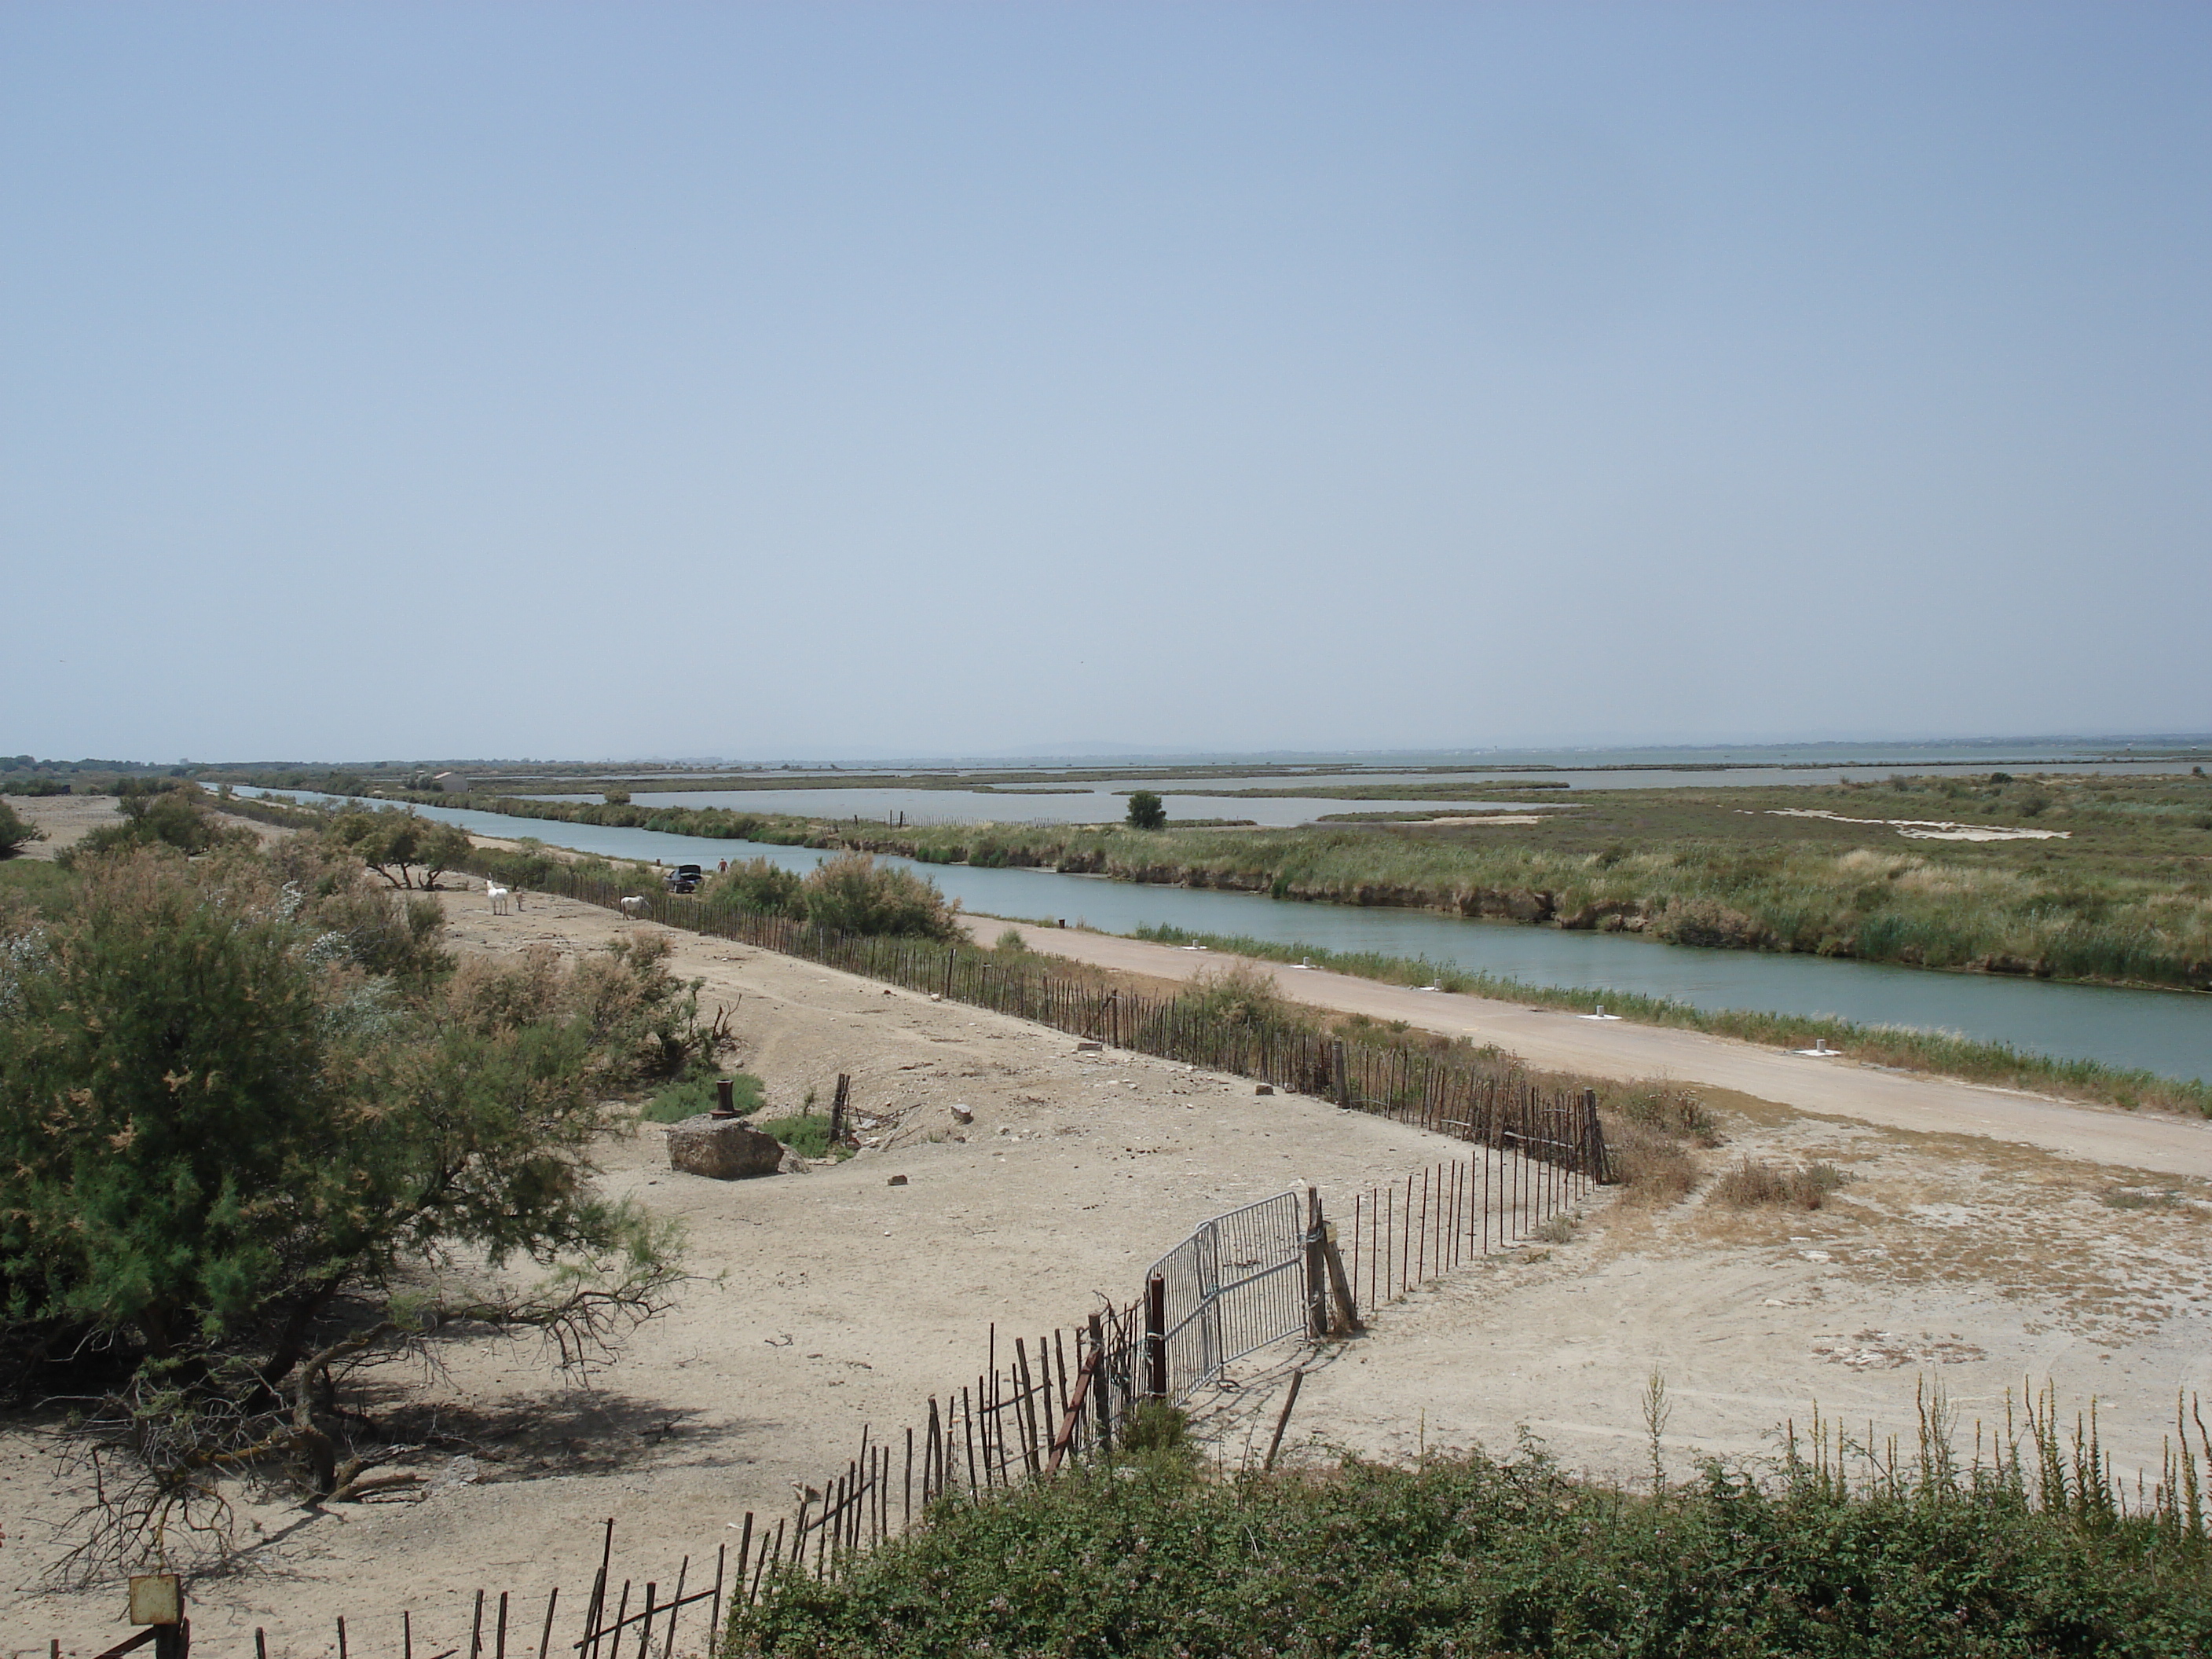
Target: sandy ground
{"points": [[1963, 1250], [64, 818], [68, 818]]}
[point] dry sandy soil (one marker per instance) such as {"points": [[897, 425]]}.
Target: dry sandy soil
{"points": [[1960, 1250], [64, 818]]}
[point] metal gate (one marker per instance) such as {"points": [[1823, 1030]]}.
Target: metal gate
{"points": [[1234, 1285]]}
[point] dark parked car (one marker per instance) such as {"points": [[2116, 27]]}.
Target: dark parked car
{"points": [[684, 879]]}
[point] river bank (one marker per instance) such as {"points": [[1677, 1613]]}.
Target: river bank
{"points": [[2091, 879], [2164, 1032]]}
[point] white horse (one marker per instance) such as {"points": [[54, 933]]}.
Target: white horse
{"points": [[498, 896], [635, 906]]}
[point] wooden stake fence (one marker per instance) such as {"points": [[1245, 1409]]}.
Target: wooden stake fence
{"points": [[1467, 1098]]}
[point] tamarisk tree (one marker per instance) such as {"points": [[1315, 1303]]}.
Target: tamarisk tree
{"points": [[235, 1162]]}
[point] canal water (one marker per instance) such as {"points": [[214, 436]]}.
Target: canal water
{"points": [[2169, 1032]]}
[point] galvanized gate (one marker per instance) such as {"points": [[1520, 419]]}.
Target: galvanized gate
{"points": [[1234, 1285]]}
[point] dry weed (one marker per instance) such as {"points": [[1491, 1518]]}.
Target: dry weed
{"points": [[1752, 1185], [1654, 1167]]}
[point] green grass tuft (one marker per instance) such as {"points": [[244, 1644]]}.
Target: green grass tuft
{"points": [[806, 1135], [698, 1094]]}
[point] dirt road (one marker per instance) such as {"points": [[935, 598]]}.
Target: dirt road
{"points": [[1620, 1048]]}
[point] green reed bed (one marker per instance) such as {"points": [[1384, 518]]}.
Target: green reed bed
{"points": [[1936, 1052]]}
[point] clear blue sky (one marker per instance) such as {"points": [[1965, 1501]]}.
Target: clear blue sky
{"points": [[390, 380]]}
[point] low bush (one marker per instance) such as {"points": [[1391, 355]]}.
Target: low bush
{"points": [[527, 867], [851, 894], [1752, 1184], [1156, 1426], [758, 888], [172, 816], [14, 833], [1468, 1555], [1653, 1167], [1238, 994], [1672, 1110], [34, 888]]}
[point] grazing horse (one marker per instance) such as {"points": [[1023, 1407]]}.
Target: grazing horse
{"points": [[635, 906], [498, 896]]}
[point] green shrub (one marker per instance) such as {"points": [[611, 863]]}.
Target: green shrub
{"points": [[1147, 810], [35, 889], [171, 816], [851, 894], [698, 1094], [14, 833], [1156, 1426], [758, 887], [1468, 1555], [1236, 994]]}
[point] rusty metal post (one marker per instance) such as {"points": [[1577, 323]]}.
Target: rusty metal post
{"points": [[1155, 1338]]}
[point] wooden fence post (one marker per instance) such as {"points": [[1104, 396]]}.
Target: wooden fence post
{"points": [[1345, 1320], [1102, 1398], [1316, 1272], [1336, 1068]]}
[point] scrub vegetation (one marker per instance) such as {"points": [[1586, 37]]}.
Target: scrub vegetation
{"points": [[14, 834], [258, 1131], [699, 1093], [1840, 1550]]}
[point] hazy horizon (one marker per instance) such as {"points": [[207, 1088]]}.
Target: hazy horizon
{"points": [[880, 380], [1089, 755]]}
